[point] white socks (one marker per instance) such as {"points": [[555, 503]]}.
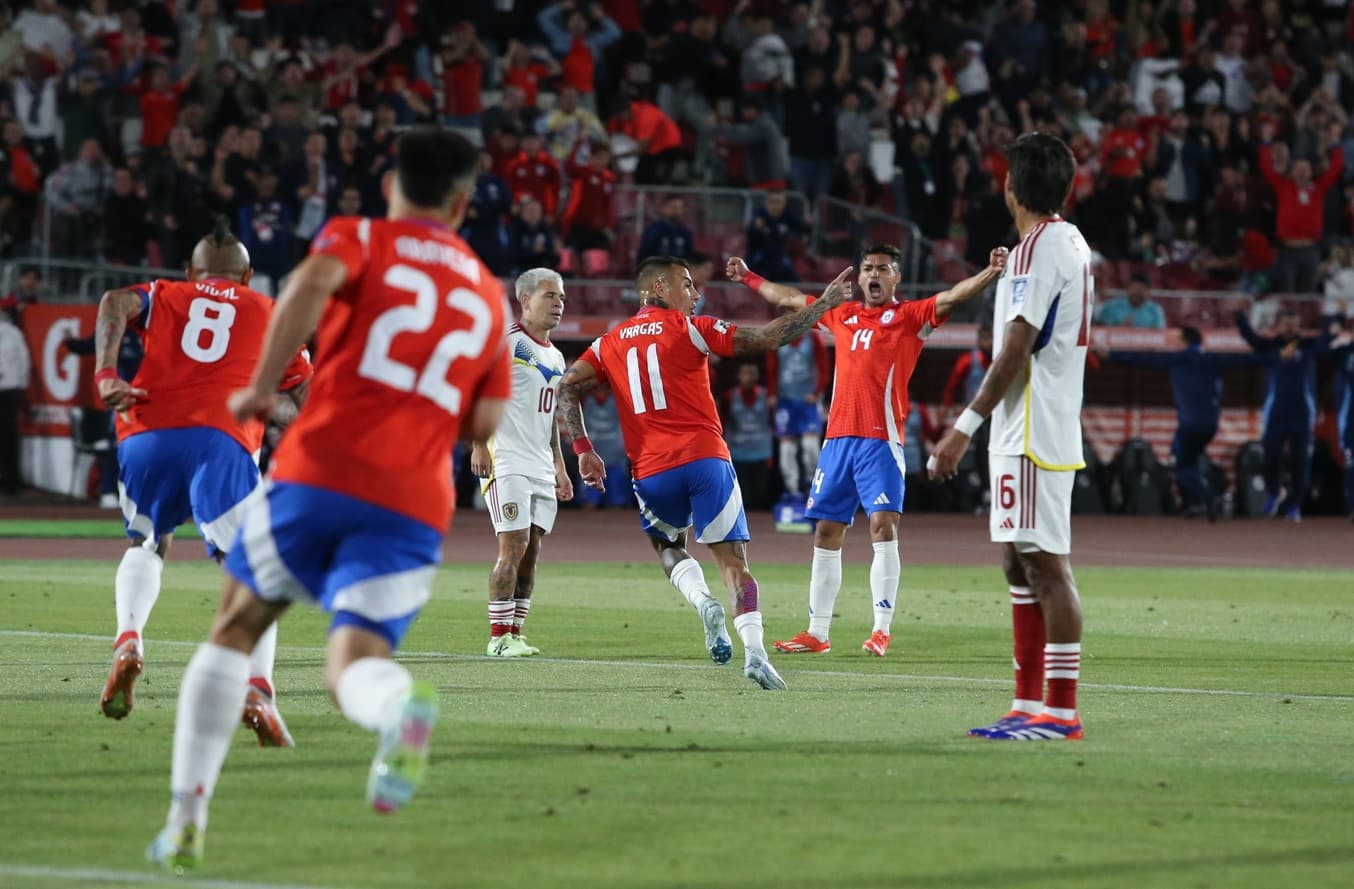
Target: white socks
{"points": [[265, 653], [810, 448], [885, 570], [136, 588], [789, 464], [370, 690], [825, 579], [689, 580], [749, 627], [210, 700]]}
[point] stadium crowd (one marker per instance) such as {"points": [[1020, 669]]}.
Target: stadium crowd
{"points": [[1209, 132]]}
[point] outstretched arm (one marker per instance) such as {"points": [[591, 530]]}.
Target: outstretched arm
{"points": [[788, 328], [1017, 344], [970, 287], [116, 308], [1256, 342], [298, 312], [781, 295], [580, 379]]}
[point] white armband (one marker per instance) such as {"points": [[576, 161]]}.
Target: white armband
{"points": [[969, 421]]}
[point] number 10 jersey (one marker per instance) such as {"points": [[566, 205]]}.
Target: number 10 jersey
{"points": [[521, 446], [408, 343]]}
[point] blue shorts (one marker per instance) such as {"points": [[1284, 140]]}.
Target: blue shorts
{"points": [[703, 494], [167, 476], [617, 487], [855, 472], [795, 418], [368, 566]]}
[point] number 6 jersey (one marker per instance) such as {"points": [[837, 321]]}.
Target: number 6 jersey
{"points": [[406, 346], [201, 341]]}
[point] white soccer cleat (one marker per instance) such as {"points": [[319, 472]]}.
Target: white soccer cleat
{"points": [[759, 670], [717, 640]]}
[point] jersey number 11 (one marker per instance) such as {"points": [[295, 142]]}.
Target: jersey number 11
{"points": [[660, 400]]}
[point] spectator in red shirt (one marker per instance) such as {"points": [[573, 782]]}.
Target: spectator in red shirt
{"points": [[590, 216], [1238, 17], [533, 173], [658, 141], [346, 70], [526, 68], [1301, 211], [463, 58], [569, 30], [160, 105], [1121, 158], [967, 374], [1124, 148]]}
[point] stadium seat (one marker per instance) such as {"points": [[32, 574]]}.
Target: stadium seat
{"points": [[596, 263]]}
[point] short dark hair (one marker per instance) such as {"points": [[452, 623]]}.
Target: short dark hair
{"points": [[888, 250], [432, 164], [30, 270], [1139, 278], [1191, 335], [1041, 169], [654, 266]]}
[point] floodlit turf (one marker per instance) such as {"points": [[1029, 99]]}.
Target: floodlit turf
{"points": [[623, 758]]}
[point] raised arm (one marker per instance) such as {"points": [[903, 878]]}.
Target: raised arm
{"points": [[116, 308], [298, 312], [788, 328], [782, 295], [1253, 339], [1017, 344], [970, 287]]}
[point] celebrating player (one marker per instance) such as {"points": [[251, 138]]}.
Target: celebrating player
{"points": [[522, 467], [861, 466], [181, 454], [1033, 391], [361, 493], [657, 366]]}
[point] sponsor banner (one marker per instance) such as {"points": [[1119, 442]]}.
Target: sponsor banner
{"points": [[60, 380]]}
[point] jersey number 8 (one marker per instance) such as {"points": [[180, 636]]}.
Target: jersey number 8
{"points": [[206, 316], [432, 383]]}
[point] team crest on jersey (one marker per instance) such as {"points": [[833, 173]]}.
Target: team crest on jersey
{"points": [[1018, 286], [722, 326], [887, 317], [509, 512]]}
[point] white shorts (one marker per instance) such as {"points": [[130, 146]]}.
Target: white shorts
{"points": [[1031, 507], [517, 502]]}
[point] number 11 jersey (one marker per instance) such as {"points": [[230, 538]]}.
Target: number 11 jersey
{"points": [[408, 344]]}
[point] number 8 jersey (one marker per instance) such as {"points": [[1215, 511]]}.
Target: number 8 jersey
{"points": [[407, 344], [201, 341]]}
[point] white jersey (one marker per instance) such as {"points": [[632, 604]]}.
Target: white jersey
{"points": [[1048, 283], [521, 446]]}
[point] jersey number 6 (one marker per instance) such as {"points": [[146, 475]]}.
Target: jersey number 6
{"points": [[432, 383]]}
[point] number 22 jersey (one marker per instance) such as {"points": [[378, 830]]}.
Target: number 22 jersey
{"points": [[407, 345], [201, 340]]}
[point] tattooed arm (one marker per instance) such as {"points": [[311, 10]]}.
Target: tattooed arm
{"points": [[788, 328], [115, 309], [564, 486], [579, 380]]}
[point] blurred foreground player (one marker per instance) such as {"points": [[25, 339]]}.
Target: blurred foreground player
{"points": [[522, 466], [877, 342], [412, 336], [181, 454], [1033, 391], [657, 364]]}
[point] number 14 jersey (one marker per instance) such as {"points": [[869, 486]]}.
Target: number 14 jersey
{"points": [[406, 346], [201, 341], [657, 364]]}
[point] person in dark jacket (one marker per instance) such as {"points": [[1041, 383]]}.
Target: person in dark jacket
{"points": [[773, 226], [1289, 413], [667, 235], [484, 229], [811, 130], [266, 225], [1196, 384], [533, 242]]}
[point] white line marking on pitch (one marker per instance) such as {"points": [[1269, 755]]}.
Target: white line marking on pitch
{"points": [[128, 877], [841, 674]]}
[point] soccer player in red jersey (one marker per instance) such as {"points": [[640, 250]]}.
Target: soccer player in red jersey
{"points": [[411, 327], [657, 365], [861, 466], [181, 454]]}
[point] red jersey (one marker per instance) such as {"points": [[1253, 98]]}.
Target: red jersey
{"points": [[462, 88], [877, 350], [535, 176], [658, 367], [410, 341], [591, 198], [1302, 210], [201, 341], [1122, 153], [159, 111]]}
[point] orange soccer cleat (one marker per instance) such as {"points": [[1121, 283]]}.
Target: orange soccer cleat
{"points": [[261, 717], [804, 642], [116, 701], [877, 644]]}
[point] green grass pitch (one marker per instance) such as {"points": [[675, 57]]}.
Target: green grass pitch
{"points": [[1219, 710]]}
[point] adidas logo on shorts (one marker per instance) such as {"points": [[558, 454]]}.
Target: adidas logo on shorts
{"points": [[1007, 524], [881, 500]]}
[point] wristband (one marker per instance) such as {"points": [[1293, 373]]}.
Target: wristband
{"points": [[106, 374], [969, 421], [753, 281], [582, 446]]}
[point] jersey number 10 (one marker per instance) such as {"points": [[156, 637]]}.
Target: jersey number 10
{"points": [[431, 382]]}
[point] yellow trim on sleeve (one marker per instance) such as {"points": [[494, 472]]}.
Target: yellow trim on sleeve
{"points": [[1029, 453]]}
